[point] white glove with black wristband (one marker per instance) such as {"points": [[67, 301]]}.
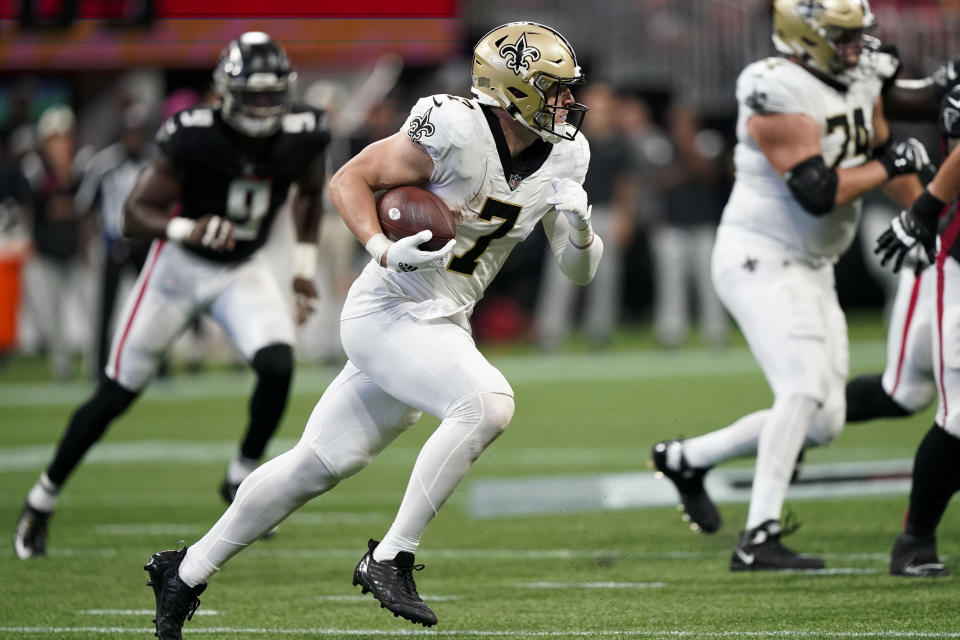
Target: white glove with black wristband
{"points": [[405, 255]]}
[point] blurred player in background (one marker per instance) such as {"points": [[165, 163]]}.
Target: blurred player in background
{"points": [[610, 184], [936, 467], [107, 181], [502, 161], [812, 139], [230, 168], [56, 285]]}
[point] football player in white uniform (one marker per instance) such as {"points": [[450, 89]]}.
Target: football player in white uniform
{"points": [[812, 140], [502, 161], [936, 473]]}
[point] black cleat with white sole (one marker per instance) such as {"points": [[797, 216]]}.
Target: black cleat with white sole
{"points": [[667, 458], [916, 557], [30, 535], [760, 549], [391, 582], [176, 601]]}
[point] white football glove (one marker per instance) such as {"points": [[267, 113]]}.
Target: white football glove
{"points": [[403, 255], [570, 199], [210, 231]]}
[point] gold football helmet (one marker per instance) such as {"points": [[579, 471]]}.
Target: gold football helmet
{"points": [[827, 35], [525, 68]]}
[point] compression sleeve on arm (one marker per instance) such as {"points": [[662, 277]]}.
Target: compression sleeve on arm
{"points": [[578, 264]]}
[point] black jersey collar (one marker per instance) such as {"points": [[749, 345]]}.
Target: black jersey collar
{"points": [[515, 169]]}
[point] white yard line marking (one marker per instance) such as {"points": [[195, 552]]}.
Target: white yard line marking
{"points": [[477, 633], [514, 554], [138, 612], [337, 517], [171, 529], [193, 453], [591, 585], [835, 571], [625, 365], [366, 598], [77, 553], [613, 491]]}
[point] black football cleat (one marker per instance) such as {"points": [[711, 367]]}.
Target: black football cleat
{"points": [[667, 458], [176, 602], [30, 536], [916, 557], [391, 582], [760, 549]]}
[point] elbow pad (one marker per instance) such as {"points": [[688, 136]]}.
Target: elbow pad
{"points": [[813, 185]]}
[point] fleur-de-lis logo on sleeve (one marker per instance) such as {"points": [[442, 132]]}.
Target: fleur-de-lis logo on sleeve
{"points": [[518, 56], [421, 126]]}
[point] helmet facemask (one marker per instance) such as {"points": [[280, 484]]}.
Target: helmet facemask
{"points": [[553, 119], [255, 85], [256, 108]]}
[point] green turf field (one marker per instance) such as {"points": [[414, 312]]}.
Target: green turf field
{"points": [[618, 573]]}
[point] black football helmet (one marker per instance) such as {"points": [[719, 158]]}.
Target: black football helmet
{"points": [[255, 84], [950, 114]]}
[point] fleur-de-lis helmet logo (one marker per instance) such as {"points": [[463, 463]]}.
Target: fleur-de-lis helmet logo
{"points": [[421, 126], [518, 56]]}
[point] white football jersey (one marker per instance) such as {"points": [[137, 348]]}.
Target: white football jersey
{"points": [[761, 201], [494, 211]]}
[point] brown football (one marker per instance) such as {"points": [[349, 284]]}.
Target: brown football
{"points": [[405, 211]]}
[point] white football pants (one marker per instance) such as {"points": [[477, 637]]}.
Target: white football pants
{"points": [[399, 367]]}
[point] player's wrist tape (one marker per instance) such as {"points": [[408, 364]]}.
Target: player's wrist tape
{"points": [[179, 229], [305, 260], [377, 246], [927, 208], [581, 238]]}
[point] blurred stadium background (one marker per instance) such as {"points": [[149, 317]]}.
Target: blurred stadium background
{"points": [[124, 64], [109, 60]]}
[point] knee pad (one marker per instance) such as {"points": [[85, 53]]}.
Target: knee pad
{"points": [[828, 421], [485, 414], [274, 362]]}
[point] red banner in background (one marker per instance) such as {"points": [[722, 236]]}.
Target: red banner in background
{"points": [[94, 9], [311, 8], [318, 43]]}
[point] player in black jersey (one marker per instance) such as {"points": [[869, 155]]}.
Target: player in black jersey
{"points": [[936, 468], [208, 201], [906, 385]]}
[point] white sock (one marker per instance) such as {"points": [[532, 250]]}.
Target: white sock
{"points": [[43, 496], [779, 445], [393, 543], [240, 467], [735, 441]]}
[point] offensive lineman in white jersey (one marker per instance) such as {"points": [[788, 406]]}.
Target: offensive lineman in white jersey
{"points": [[809, 123], [502, 161]]}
